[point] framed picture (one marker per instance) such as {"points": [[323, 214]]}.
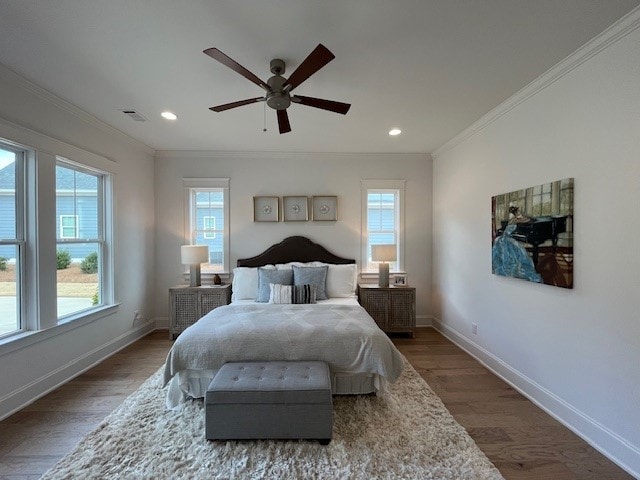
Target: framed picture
{"points": [[265, 209], [533, 235], [400, 280], [295, 209], [325, 208]]}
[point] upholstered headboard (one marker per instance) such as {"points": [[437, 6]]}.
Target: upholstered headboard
{"points": [[293, 249]]}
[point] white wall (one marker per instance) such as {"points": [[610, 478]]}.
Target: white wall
{"points": [[576, 352], [293, 174], [31, 116]]}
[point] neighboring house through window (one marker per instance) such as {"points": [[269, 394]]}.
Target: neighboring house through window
{"points": [[209, 225], [208, 220], [382, 220], [52, 206], [12, 239], [68, 226], [80, 205]]}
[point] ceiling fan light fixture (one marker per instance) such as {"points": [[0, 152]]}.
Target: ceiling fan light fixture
{"points": [[278, 88], [394, 132], [169, 115]]}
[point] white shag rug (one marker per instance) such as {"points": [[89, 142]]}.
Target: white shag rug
{"points": [[405, 433]]}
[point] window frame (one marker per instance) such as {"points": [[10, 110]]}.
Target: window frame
{"points": [[383, 186], [103, 238], [191, 186], [19, 241], [38, 255]]}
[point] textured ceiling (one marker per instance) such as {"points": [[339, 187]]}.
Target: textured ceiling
{"points": [[429, 67]]}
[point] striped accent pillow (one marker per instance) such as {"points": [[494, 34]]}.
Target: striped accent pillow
{"points": [[292, 293]]}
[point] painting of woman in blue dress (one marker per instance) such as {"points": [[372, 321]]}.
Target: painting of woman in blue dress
{"points": [[537, 245], [509, 258]]}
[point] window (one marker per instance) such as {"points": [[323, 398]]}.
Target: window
{"points": [[53, 213], [541, 200], [68, 226], [382, 220], [12, 244], [209, 227], [81, 242], [208, 220]]}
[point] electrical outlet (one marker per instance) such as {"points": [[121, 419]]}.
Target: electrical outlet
{"points": [[137, 317], [474, 328]]}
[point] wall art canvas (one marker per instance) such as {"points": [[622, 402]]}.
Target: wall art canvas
{"points": [[265, 209], [325, 208], [532, 233]]}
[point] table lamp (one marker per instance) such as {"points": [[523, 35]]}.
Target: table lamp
{"points": [[383, 254], [194, 255]]}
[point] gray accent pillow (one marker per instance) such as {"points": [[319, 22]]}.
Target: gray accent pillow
{"points": [[312, 276], [267, 276], [292, 294]]}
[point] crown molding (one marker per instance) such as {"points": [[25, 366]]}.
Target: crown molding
{"points": [[620, 29], [224, 155], [69, 107]]}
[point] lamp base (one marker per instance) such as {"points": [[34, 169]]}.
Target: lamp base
{"points": [[383, 275], [194, 276]]}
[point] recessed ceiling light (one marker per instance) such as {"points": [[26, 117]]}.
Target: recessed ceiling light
{"points": [[395, 131], [169, 115]]}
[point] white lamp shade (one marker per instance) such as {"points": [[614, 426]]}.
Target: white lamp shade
{"points": [[384, 253], [194, 254]]}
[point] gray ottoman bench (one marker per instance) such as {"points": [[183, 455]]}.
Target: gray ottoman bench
{"points": [[270, 400]]}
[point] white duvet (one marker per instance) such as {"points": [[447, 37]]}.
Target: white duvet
{"points": [[344, 336]]}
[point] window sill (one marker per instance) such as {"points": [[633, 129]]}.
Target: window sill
{"points": [[207, 278], [71, 322], [374, 274]]}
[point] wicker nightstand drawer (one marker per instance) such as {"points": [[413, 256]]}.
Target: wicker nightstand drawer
{"points": [[393, 308], [188, 304]]}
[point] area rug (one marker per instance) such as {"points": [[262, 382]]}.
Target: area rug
{"points": [[405, 433]]}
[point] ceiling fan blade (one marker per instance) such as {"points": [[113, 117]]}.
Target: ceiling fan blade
{"points": [[227, 106], [314, 62], [236, 67], [283, 121], [332, 106]]}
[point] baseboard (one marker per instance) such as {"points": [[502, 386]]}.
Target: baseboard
{"points": [[27, 394], [424, 320], [607, 442], [162, 323]]}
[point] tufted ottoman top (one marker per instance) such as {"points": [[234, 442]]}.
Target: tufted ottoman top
{"points": [[271, 382]]}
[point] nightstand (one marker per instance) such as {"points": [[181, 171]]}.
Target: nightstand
{"points": [[188, 304], [393, 308]]}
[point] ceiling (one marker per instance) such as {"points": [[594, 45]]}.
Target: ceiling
{"points": [[429, 67]]}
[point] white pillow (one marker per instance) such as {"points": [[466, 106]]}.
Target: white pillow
{"points": [[245, 283], [341, 280], [290, 265]]}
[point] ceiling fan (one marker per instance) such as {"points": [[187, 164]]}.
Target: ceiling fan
{"points": [[278, 88]]}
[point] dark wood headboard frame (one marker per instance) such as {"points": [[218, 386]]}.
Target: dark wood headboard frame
{"points": [[293, 249]]}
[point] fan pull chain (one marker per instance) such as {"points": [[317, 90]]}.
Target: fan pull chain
{"points": [[264, 118]]}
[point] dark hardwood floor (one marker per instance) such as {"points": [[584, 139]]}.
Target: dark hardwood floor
{"points": [[520, 439], [34, 439]]}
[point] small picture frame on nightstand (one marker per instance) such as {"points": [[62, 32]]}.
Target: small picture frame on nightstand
{"points": [[400, 280]]}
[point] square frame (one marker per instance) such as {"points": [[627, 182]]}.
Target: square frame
{"points": [[295, 209], [266, 209], [325, 208], [400, 280]]}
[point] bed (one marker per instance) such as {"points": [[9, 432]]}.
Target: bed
{"points": [[336, 330]]}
